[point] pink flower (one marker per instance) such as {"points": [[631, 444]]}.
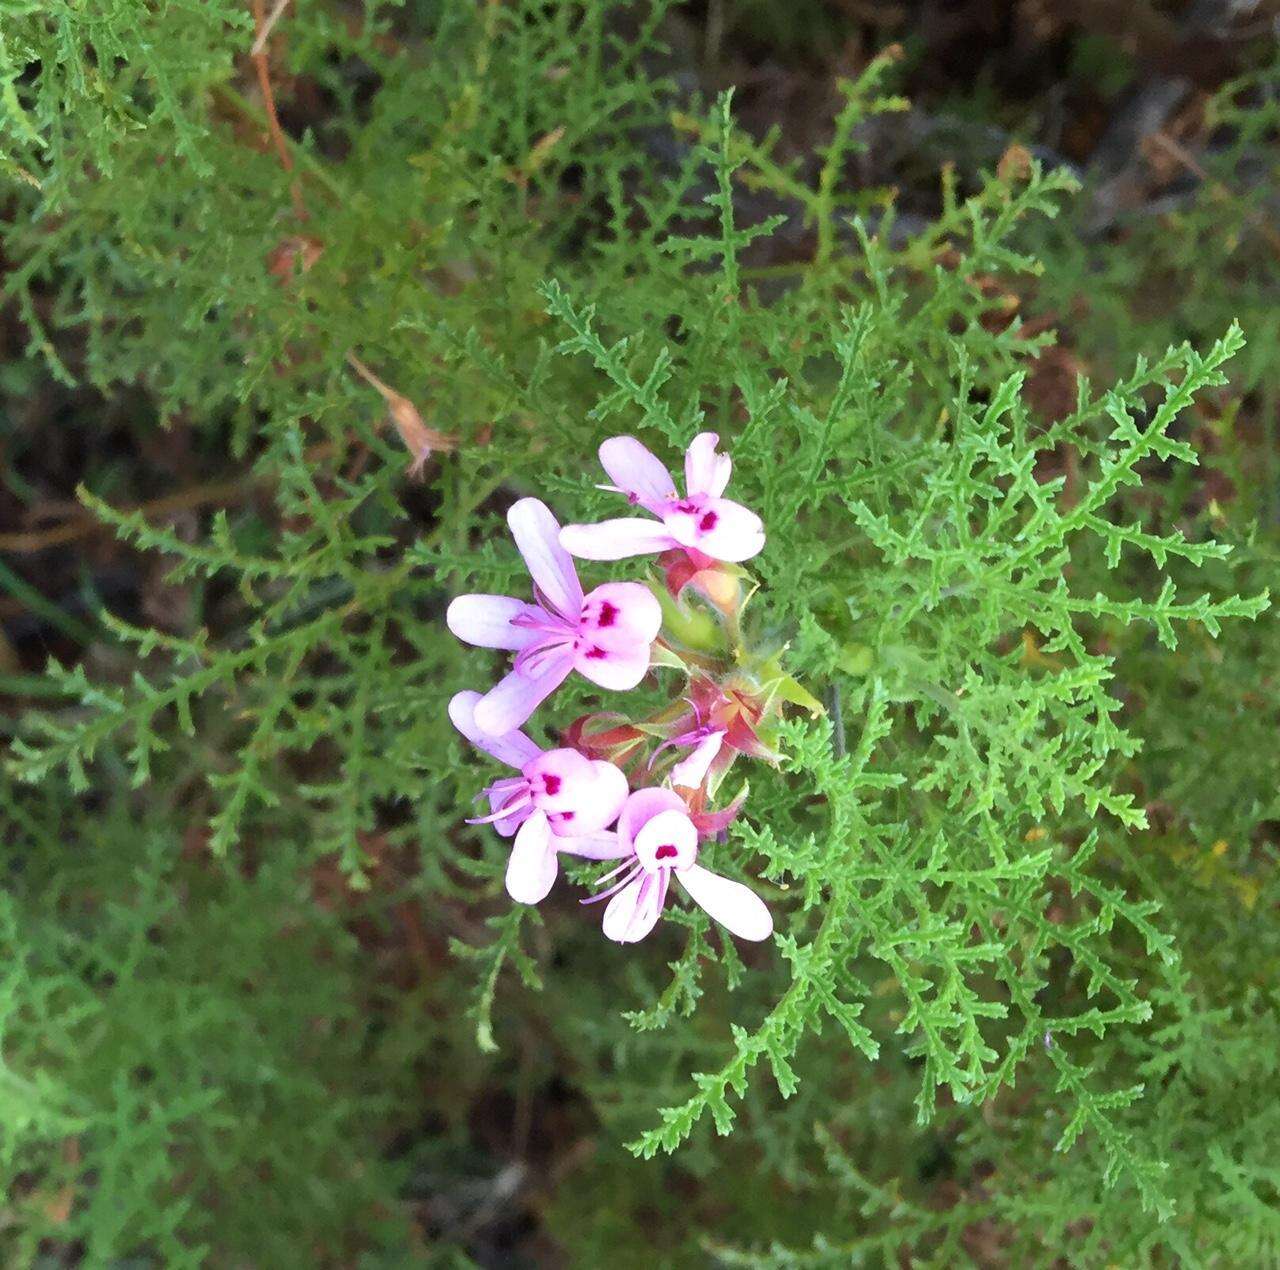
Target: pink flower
{"points": [[658, 839], [702, 523], [561, 801], [604, 635]]}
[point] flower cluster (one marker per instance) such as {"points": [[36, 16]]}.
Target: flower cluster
{"points": [[605, 794]]}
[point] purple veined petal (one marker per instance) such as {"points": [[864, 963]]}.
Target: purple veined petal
{"points": [[514, 748], [618, 614], [514, 698], [603, 844], [642, 806], [706, 473], [532, 868], [690, 772], [635, 470], [617, 669], [507, 824], [635, 910], [509, 806], [537, 535], [561, 780], [486, 621], [728, 531], [736, 907], [667, 841], [616, 539]]}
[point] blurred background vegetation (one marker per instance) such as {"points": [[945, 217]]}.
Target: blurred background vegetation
{"points": [[268, 1057]]}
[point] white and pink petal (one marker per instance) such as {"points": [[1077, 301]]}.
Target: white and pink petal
{"points": [[690, 772], [667, 841], [512, 747], [603, 844], [561, 780], [706, 473], [637, 472], [635, 910], [537, 535], [488, 621], [621, 613], [736, 907], [533, 864], [719, 528], [642, 806], [616, 539], [618, 669], [516, 696]]}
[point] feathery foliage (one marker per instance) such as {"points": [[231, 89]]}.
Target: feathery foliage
{"points": [[1022, 868]]}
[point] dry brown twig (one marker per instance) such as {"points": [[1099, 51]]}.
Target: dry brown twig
{"points": [[264, 30], [420, 440], [261, 64]]}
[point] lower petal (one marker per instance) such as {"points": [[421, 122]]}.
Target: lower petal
{"points": [[736, 907], [515, 749], [532, 868], [604, 844], [634, 911], [487, 621], [615, 539], [513, 699]]}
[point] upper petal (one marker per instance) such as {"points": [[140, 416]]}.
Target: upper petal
{"points": [[513, 747], [610, 792], [621, 613], [618, 669], [591, 804], [537, 535], [514, 698], [642, 806], [736, 907], [668, 841], [561, 779], [616, 539], [532, 868], [635, 470], [728, 531], [706, 473], [486, 621], [635, 910]]}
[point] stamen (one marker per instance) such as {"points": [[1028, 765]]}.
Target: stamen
{"points": [[530, 660], [520, 798], [634, 865], [552, 610]]}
